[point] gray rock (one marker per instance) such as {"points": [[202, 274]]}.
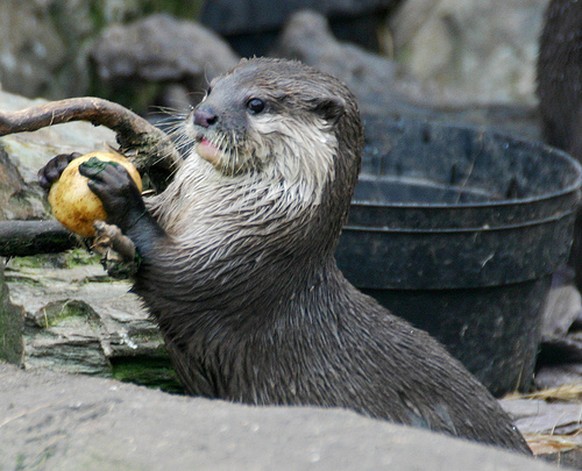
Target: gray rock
{"points": [[16, 200], [559, 375], [43, 43], [375, 80], [161, 49], [563, 306], [53, 421], [536, 416], [69, 319], [78, 320], [11, 324], [31, 49], [551, 427], [474, 51], [383, 88]]}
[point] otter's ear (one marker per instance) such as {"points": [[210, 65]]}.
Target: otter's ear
{"points": [[329, 108]]}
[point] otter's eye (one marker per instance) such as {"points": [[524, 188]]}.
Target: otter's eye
{"points": [[255, 105]]}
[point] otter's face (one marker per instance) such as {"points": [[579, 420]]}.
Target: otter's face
{"points": [[272, 117]]}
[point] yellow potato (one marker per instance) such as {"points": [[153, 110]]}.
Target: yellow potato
{"points": [[73, 204]]}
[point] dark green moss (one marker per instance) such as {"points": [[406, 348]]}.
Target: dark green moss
{"points": [[80, 257], [57, 312], [35, 261], [189, 10], [153, 371], [69, 259]]}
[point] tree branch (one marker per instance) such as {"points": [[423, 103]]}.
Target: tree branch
{"points": [[21, 238], [148, 147]]}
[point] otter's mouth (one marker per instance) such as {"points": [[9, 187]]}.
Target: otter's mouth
{"points": [[207, 150]]}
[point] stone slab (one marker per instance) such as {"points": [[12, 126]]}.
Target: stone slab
{"points": [[67, 422]]}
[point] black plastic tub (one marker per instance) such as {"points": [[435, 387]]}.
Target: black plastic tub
{"points": [[459, 231]]}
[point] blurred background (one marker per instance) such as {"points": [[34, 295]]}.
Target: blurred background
{"points": [[447, 51]]}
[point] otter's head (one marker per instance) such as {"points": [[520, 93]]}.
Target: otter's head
{"points": [[280, 120]]}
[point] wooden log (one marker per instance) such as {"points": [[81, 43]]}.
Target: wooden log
{"points": [[22, 238]]}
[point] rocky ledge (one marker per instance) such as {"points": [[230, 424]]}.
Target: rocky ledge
{"points": [[67, 422]]}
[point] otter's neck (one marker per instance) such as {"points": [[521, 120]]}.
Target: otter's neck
{"points": [[235, 247]]}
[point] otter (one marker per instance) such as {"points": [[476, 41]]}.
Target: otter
{"points": [[559, 76], [559, 81], [238, 269]]}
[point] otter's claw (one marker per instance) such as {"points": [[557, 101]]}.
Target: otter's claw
{"points": [[119, 194], [118, 253], [52, 171]]}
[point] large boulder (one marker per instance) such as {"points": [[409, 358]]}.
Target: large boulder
{"points": [[55, 421], [475, 51], [44, 45], [143, 58]]}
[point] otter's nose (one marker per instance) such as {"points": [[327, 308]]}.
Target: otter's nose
{"points": [[205, 117]]}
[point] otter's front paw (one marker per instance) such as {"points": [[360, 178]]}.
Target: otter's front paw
{"points": [[52, 171], [119, 194]]}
